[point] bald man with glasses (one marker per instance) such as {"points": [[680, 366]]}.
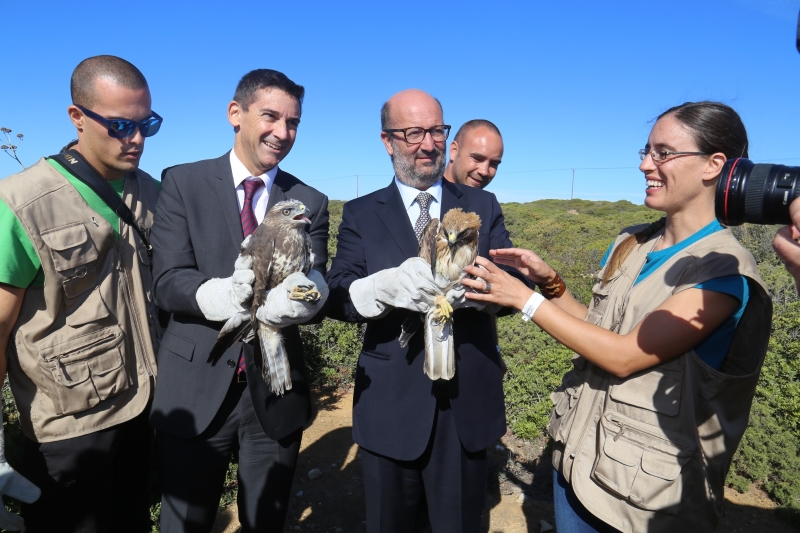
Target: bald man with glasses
{"points": [[422, 441]]}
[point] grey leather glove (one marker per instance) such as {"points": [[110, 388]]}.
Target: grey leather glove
{"points": [[221, 298], [408, 286], [14, 485], [292, 302]]}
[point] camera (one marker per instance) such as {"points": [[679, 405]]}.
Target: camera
{"points": [[755, 193]]}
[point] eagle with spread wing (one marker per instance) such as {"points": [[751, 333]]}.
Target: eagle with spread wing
{"points": [[449, 246], [280, 246]]}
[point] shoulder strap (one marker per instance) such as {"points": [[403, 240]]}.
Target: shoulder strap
{"points": [[81, 169]]}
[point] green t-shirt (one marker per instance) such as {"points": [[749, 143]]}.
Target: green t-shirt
{"points": [[19, 263]]}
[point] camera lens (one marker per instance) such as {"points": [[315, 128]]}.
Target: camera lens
{"points": [[759, 194]]}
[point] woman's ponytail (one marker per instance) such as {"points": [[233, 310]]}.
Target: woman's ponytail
{"points": [[625, 248]]}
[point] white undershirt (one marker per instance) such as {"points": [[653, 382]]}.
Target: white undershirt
{"points": [[261, 196]]}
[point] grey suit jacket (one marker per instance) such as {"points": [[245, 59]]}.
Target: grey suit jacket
{"points": [[196, 236]]}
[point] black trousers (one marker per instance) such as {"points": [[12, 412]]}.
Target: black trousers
{"points": [[96, 483], [193, 470], [451, 480]]}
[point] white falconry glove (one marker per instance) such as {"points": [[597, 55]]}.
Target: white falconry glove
{"points": [[14, 485], [279, 310], [408, 286], [221, 298]]}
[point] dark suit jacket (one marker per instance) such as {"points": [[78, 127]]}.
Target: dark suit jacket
{"points": [[196, 236], [394, 403]]}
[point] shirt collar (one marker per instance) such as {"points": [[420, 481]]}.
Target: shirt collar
{"points": [[409, 194], [240, 173]]}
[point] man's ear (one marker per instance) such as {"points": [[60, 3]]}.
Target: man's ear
{"points": [[453, 151], [387, 142], [235, 114], [714, 166], [76, 117]]}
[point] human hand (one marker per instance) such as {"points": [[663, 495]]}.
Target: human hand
{"points": [[787, 247], [528, 263], [296, 300], [16, 486], [504, 289]]}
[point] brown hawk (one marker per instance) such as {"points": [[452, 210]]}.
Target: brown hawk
{"points": [[449, 246], [280, 246]]}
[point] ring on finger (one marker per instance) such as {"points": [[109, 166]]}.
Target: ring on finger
{"points": [[487, 287]]}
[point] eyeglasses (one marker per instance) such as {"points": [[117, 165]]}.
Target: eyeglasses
{"points": [[659, 156], [417, 135], [120, 128]]}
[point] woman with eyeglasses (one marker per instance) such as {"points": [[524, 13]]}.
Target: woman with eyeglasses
{"points": [[668, 352]]}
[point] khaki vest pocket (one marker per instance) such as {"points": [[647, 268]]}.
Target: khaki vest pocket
{"points": [[642, 463], [598, 308], [564, 399], [70, 246], [84, 310], [657, 389], [84, 371]]}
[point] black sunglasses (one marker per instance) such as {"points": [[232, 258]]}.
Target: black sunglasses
{"points": [[120, 128]]}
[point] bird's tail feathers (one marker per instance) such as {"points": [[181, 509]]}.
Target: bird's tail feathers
{"points": [[234, 330], [440, 361], [274, 361], [409, 328]]}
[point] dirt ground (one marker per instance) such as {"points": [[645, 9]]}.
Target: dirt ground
{"points": [[520, 490]]}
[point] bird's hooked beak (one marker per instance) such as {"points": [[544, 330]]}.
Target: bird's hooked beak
{"points": [[451, 239], [303, 215]]}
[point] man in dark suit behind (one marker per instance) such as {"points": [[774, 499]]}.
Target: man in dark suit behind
{"points": [[203, 412], [420, 438]]}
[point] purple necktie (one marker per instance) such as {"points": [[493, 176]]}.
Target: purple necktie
{"points": [[249, 225]]}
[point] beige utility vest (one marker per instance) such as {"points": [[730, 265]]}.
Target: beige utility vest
{"points": [[82, 357], [650, 452]]}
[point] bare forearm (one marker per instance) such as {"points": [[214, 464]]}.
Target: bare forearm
{"points": [[678, 324], [567, 303], [606, 349]]}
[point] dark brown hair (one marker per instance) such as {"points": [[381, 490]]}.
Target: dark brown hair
{"points": [[265, 78], [715, 128]]}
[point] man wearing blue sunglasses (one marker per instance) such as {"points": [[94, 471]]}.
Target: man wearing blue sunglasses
{"points": [[77, 313]]}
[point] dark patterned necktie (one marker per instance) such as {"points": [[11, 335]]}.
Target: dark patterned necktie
{"points": [[424, 200], [249, 220], [249, 225]]}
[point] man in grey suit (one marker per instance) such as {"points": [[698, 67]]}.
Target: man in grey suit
{"points": [[204, 411]]}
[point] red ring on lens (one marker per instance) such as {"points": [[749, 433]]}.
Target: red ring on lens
{"points": [[728, 185]]}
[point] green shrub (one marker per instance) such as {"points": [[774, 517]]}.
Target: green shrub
{"points": [[331, 352]]}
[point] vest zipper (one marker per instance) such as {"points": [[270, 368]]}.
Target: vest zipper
{"points": [[627, 429], [134, 314]]}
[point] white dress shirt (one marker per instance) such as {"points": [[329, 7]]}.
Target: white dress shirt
{"points": [[261, 196], [409, 195]]}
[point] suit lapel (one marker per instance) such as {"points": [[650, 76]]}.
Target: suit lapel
{"points": [[394, 216], [222, 182], [452, 197]]}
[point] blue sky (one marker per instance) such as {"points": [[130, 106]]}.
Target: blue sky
{"points": [[569, 84]]}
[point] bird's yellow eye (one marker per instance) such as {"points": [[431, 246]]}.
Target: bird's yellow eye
{"points": [[287, 212]]}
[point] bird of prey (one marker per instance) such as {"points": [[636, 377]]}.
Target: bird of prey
{"points": [[449, 246], [279, 246]]}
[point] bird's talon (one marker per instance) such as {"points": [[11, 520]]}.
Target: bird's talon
{"points": [[305, 293], [442, 310]]}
